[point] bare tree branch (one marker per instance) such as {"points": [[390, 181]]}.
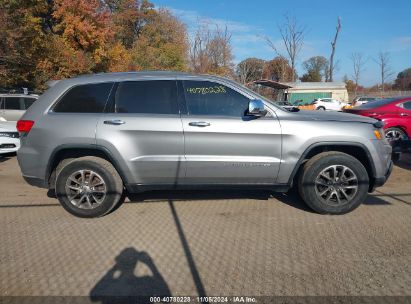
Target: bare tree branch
{"points": [[358, 67], [292, 35], [384, 62], [333, 46]]}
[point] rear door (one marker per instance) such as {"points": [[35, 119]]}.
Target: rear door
{"points": [[144, 132], [222, 144]]}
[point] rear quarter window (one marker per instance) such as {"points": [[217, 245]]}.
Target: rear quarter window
{"points": [[87, 98]]}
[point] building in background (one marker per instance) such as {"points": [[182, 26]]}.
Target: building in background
{"points": [[305, 92]]}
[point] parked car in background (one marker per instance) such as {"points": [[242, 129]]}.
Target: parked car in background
{"points": [[360, 100], [13, 106], [394, 112], [9, 137], [93, 136], [328, 104]]}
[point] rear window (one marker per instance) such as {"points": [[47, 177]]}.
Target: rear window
{"points": [[147, 97], [377, 103], [88, 98]]}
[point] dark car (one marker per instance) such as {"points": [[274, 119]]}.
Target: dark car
{"points": [[394, 112]]}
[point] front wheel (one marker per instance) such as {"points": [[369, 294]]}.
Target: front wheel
{"points": [[88, 187], [333, 183], [394, 134], [321, 109]]}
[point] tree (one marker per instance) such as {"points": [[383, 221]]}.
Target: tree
{"points": [[129, 18], [311, 76], [278, 69], [162, 44], [24, 41], [292, 35], [250, 69], [316, 68], [332, 65], [383, 60], [349, 84], [403, 80], [210, 51], [358, 67]]}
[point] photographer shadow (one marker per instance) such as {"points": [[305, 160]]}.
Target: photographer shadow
{"points": [[121, 284]]}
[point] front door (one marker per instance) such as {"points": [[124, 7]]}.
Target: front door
{"points": [[144, 131], [222, 144]]}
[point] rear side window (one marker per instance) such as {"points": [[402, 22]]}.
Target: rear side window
{"points": [[12, 103], [88, 98], [213, 99], [28, 102], [147, 97]]}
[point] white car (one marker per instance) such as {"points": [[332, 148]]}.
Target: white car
{"points": [[328, 104], [13, 106], [362, 100], [9, 137]]}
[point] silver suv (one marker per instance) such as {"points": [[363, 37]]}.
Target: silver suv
{"points": [[91, 138]]}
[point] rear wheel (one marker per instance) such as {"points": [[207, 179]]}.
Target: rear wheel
{"points": [[333, 183], [88, 187]]}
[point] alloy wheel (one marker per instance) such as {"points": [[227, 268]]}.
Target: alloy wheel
{"points": [[336, 185], [86, 189]]}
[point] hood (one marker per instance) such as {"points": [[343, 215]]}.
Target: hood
{"points": [[8, 126], [334, 116]]}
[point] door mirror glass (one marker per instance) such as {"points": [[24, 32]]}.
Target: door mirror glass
{"points": [[256, 108]]}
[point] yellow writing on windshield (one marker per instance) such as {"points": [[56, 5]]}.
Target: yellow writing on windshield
{"points": [[207, 90]]}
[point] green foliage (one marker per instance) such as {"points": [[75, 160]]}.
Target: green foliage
{"points": [[316, 68]]}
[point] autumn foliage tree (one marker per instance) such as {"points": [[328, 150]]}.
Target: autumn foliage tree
{"points": [[42, 40], [278, 69]]}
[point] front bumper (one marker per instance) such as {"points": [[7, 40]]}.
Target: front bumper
{"points": [[380, 181]]}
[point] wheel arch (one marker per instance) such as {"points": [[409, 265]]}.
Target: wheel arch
{"points": [[356, 150], [76, 151]]}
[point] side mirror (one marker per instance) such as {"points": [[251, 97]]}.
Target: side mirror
{"points": [[256, 108]]}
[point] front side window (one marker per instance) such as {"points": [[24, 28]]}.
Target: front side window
{"points": [[12, 103], [87, 98], [213, 99], [407, 105], [147, 97]]}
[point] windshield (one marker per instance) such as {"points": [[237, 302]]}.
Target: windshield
{"points": [[376, 103]]}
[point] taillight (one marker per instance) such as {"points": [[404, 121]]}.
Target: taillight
{"points": [[24, 125]]}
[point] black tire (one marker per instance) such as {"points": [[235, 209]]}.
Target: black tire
{"points": [[320, 109], [113, 186], [397, 131], [310, 191]]}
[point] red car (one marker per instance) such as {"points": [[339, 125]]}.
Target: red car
{"points": [[394, 112]]}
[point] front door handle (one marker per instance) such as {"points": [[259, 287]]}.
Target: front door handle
{"points": [[114, 122], [199, 124], [404, 114]]}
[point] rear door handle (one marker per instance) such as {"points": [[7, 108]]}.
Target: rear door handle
{"points": [[404, 114], [199, 124], [114, 122]]}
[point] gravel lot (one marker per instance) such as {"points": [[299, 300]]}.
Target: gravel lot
{"points": [[205, 243]]}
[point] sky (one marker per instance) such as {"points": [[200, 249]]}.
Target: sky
{"points": [[368, 27]]}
